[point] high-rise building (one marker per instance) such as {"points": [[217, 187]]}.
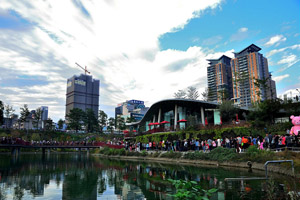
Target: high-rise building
{"points": [[219, 79], [133, 108], [251, 77], [44, 113], [83, 93], [245, 79]]}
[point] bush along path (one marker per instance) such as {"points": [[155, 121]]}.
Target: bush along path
{"points": [[220, 156]]}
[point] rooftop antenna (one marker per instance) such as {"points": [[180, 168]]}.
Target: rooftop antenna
{"points": [[85, 69]]}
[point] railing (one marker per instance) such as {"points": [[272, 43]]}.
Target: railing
{"points": [[278, 161], [286, 148], [21, 143]]}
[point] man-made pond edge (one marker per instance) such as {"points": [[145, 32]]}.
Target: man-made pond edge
{"points": [[181, 161]]}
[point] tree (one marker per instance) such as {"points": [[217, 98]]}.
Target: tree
{"points": [[265, 112], [227, 110], [189, 93], [262, 83], [102, 120], [130, 120], [192, 93], [205, 95], [8, 111], [38, 116], [1, 112], [181, 94], [111, 124], [48, 124], [75, 119], [24, 114], [90, 120], [60, 124], [120, 123], [223, 94]]}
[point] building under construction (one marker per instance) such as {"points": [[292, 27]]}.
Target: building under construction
{"points": [[83, 93]]}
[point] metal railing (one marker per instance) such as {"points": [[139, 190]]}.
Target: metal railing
{"points": [[278, 161]]}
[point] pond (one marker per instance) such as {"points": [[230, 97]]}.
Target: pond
{"points": [[78, 176]]}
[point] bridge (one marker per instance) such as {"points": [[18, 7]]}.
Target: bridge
{"points": [[16, 147]]}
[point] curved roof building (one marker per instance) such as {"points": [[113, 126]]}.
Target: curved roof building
{"points": [[173, 110]]}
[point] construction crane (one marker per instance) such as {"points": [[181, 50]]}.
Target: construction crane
{"points": [[85, 69]]}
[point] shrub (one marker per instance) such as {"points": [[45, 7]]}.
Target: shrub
{"points": [[171, 154], [144, 153], [222, 154], [190, 190]]}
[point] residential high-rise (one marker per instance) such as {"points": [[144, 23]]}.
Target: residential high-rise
{"points": [[251, 77], [83, 93], [219, 79], [245, 79]]}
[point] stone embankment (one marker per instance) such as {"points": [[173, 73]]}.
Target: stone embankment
{"points": [[274, 168]]}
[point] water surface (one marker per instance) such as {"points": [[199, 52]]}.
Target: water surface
{"points": [[77, 176]]}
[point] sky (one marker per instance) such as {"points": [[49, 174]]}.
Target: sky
{"points": [[138, 49]]}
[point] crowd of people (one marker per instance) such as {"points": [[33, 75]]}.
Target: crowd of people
{"points": [[239, 143], [15, 141]]}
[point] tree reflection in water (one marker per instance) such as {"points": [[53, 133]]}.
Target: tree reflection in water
{"points": [[82, 177]]}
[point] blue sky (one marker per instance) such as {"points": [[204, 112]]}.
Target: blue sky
{"points": [[139, 49]]}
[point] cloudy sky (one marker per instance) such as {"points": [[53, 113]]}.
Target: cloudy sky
{"points": [[139, 49]]}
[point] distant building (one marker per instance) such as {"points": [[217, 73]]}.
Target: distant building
{"points": [[133, 108], [291, 95], [245, 78], [9, 122], [247, 67], [219, 79], [44, 113], [83, 93]]}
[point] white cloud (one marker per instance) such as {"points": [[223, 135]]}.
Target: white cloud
{"points": [[241, 34], [280, 78], [275, 51], [212, 40], [288, 61], [118, 41], [244, 29], [277, 39]]}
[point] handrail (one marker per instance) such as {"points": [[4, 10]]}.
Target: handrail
{"points": [[278, 161]]}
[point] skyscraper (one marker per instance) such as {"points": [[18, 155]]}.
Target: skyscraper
{"points": [[83, 93], [44, 113], [251, 77], [245, 79], [219, 79]]}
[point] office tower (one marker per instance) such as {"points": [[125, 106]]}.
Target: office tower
{"points": [[250, 77], [133, 108], [83, 93], [219, 79], [44, 113]]}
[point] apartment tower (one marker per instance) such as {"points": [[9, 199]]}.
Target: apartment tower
{"points": [[251, 77], [219, 79]]}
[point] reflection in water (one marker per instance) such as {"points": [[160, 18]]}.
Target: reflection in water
{"points": [[71, 176]]}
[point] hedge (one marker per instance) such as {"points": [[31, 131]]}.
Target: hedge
{"points": [[209, 133]]}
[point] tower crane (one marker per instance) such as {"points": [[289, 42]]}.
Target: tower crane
{"points": [[85, 69]]}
